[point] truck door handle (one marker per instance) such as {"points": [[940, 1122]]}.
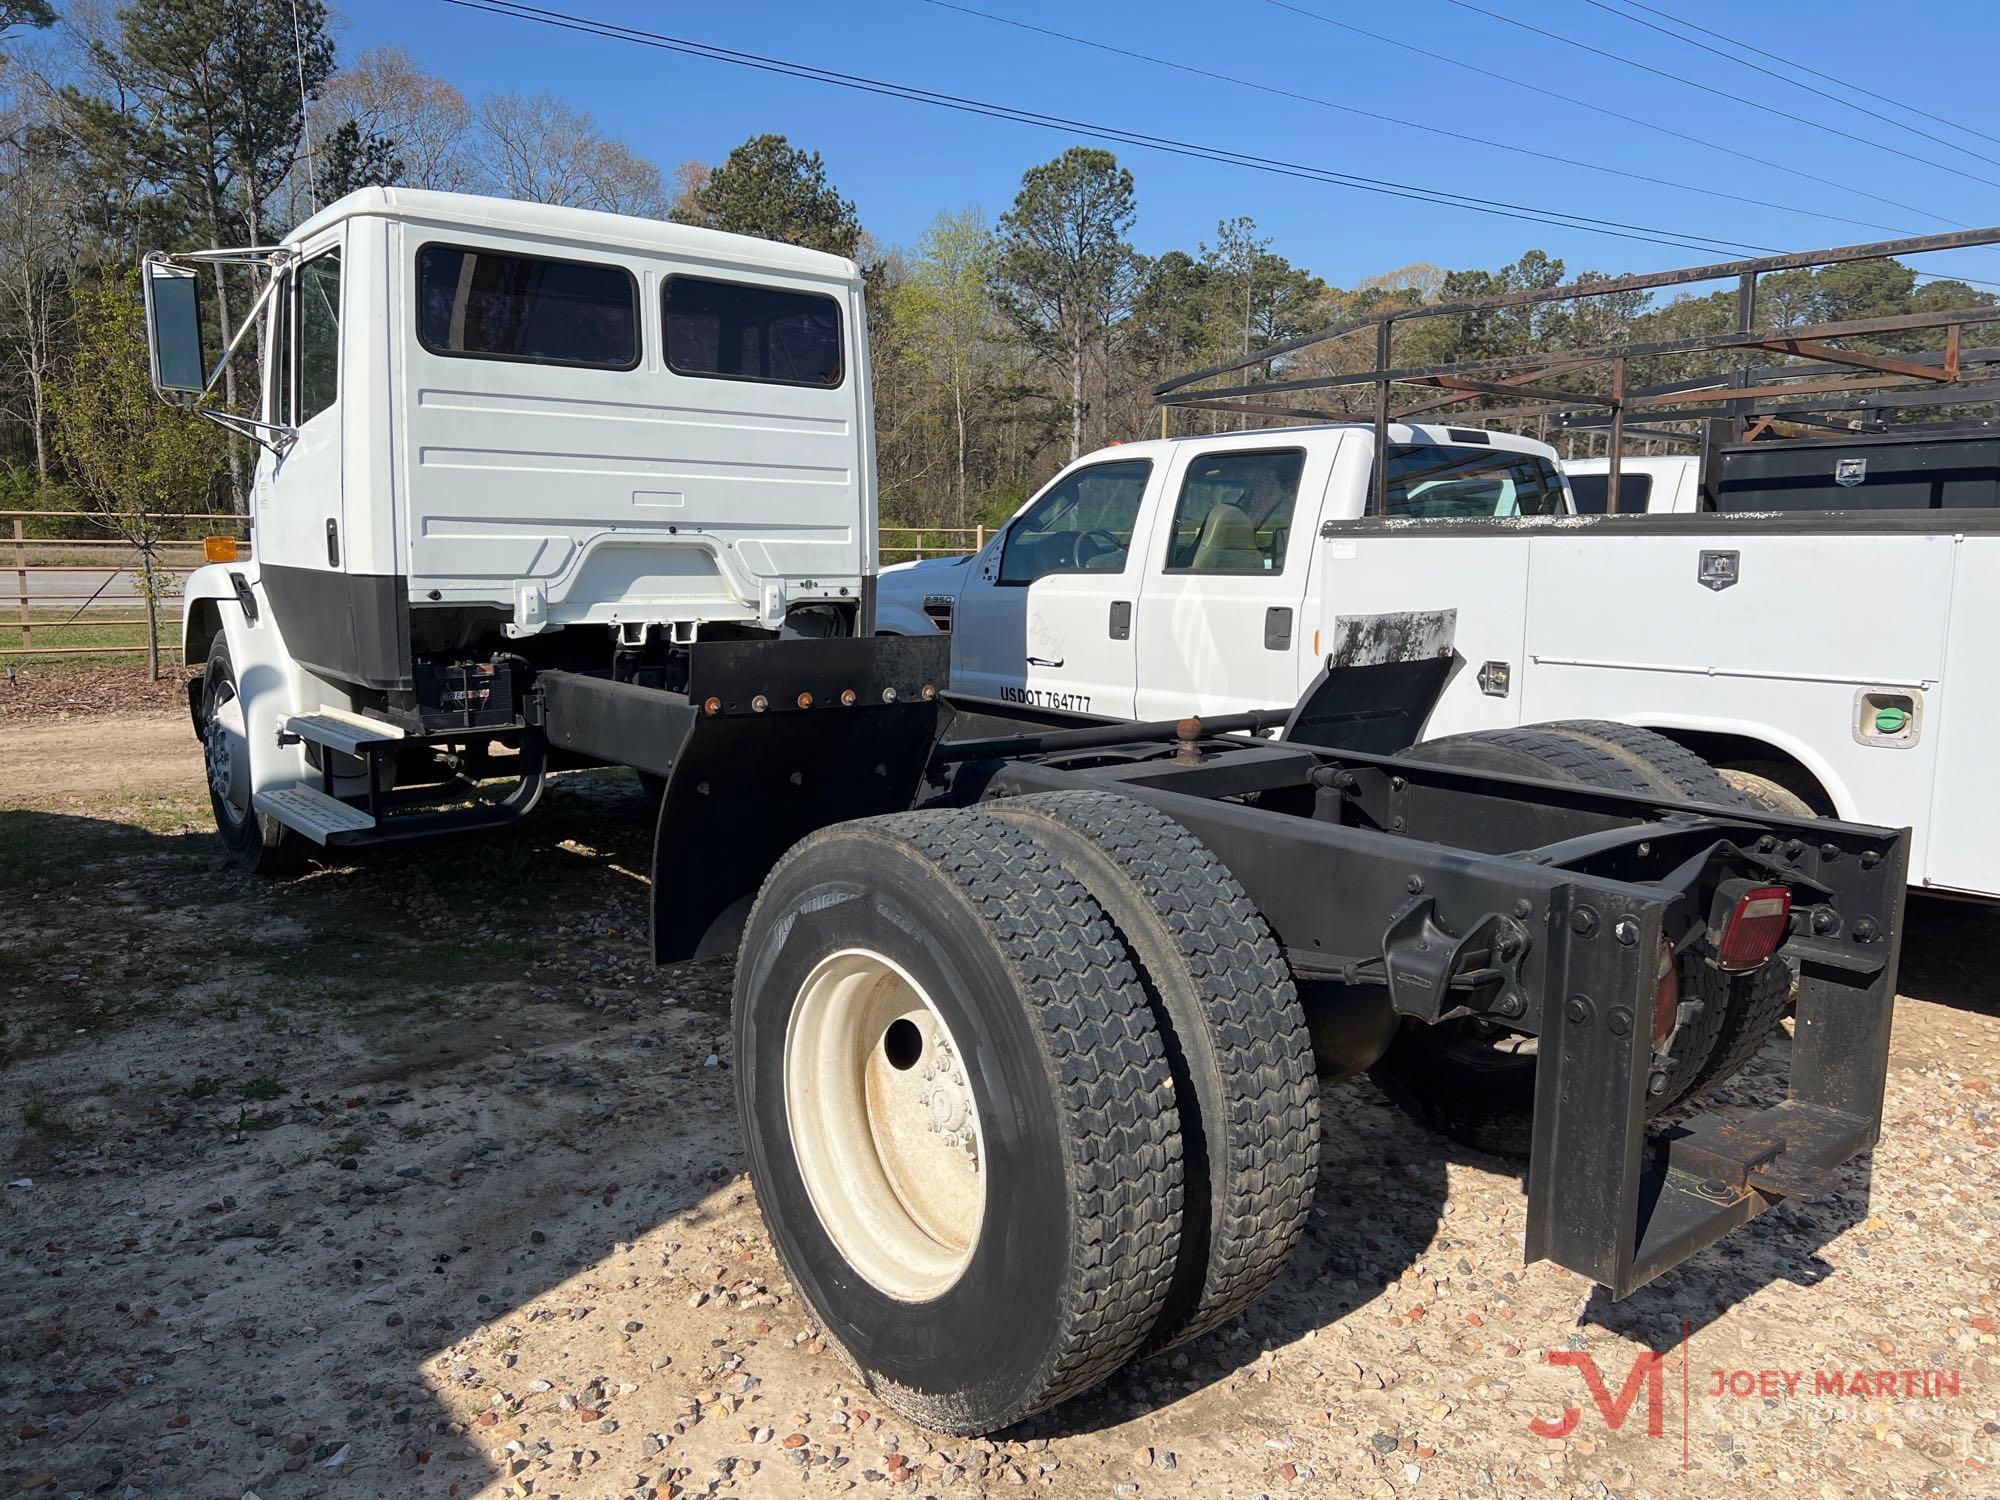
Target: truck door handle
{"points": [[332, 543], [1278, 628], [1121, 619], [1038, 661]]}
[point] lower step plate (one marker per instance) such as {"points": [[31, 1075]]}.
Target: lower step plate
{"points": [[312, 812]]}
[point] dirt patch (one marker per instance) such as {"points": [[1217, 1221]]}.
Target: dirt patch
{"points": [[47, 762], [411, 1177]]}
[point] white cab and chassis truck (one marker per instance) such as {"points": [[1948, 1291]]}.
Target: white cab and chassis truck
{"points": [[1832, 662], [1027, 1004]]}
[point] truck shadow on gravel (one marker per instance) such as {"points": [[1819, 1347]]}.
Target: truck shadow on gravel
{"points": [[1948, 949]]}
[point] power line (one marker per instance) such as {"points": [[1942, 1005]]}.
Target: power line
{"points": [[1743, 62], [1368, 114], [1499, 208], [1815, 72], [1544, 92], [1782, 114]]}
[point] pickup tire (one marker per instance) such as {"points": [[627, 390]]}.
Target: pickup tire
{"points": [[959, 1115], [261, 845], [1236, 1039], [1474, 1081], [1768, 794]]}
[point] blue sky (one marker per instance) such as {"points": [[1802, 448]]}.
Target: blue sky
{"points": [[903, 162]]}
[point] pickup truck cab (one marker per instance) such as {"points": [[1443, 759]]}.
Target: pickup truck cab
{"points": [[1666, 485], [1917, 469], [1146, 568], [1832, 662]]}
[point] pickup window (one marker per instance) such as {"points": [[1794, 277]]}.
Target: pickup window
{"points": [[1590, 491], [480, 304], [1083, 524], [1234, 514], [731, 330], [1429, 480]]}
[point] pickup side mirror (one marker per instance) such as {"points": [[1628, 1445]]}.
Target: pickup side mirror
{"points": [[174, 349]]}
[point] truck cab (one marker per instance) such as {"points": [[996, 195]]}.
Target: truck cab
{"points": [[497, 433], [1143, 570]]}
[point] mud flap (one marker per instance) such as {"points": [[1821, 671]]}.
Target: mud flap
{"points": [[1380, 682], [786, 737]]}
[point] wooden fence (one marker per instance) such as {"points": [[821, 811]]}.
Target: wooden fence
{"points": [[92, 583]]}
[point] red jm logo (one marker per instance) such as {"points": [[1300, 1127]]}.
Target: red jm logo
{"points": [[1645, 1371]]}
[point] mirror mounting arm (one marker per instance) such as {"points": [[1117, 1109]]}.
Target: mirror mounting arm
{"points": [[275, 436]]}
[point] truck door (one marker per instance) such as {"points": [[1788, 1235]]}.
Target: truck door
{"points": [[1222, 605], [1046, 617], [301, 543]]}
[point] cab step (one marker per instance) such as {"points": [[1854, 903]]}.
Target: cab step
{"points": [[319, 817], [336, 729]]}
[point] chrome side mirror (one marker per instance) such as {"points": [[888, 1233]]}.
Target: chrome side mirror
{"points": [[178, 361]]}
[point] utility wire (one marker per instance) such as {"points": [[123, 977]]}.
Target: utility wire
{"points": [[1554, 218], [1283, 93], [1544, 92], [1782, 114], [1815, 72], [1743, 62]]}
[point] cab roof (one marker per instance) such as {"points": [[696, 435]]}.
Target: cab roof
{"points": [[581, 226], [1400, 433]]}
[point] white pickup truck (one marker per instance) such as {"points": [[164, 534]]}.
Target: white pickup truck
{"points": [[1839, 661], [1916, 468]]}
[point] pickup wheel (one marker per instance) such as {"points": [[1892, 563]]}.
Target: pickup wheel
{"points": [[261, 845], [959, 1116], [1768, 794], [1475, 1081], [1236, 1040]]}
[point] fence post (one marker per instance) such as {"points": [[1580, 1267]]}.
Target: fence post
{"points": [[979, 537], [21, 562]]}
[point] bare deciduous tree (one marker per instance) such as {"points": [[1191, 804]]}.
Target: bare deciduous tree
{"points": [[542, 149]]}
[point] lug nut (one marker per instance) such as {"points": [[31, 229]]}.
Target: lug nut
{"points": [[847, 697], [759, 703], [712, 707], [805, 700]]}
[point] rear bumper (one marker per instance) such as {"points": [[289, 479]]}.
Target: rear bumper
{"points": [[1622, 1202]]}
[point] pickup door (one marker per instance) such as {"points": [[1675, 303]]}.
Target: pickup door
{"points": [[1222, 599], [1046, 615]]}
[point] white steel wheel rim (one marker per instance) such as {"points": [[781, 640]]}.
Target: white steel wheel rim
{"points": [[884, 1126]]}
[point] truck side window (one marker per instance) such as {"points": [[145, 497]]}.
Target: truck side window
{"points": [[730, 330], [1429, 480], [316, 291], [481, 304], [1083, 524], [1592, 491], [1234, 514]]}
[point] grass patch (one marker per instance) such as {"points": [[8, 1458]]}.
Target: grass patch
{"points": [[263, 1089]]}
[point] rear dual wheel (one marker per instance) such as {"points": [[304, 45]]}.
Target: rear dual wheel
{"points": [[993, 1157]]}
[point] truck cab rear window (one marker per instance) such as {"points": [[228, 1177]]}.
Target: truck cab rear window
{"points": [[1592, 491], [1429, 480], [484, 305], [729, 330]]}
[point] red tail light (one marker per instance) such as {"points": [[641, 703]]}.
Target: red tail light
{"points": [[1667, 999], [1754, 928]]}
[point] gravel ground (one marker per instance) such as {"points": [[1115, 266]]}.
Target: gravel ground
{"points": [[410, 1178]]}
